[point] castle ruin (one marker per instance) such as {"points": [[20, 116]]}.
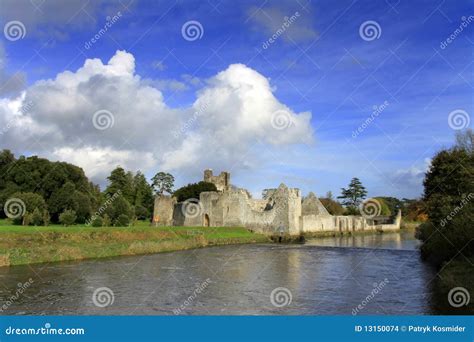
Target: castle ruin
{"points": [[282, 211]]}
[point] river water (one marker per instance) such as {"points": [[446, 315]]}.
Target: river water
{"points": [[366, 274]]}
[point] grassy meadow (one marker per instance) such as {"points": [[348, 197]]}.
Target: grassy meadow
{"points": [[30, 244]]}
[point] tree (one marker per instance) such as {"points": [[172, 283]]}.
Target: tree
{"points": [[143, 197], [68, 217], [193, 190], [31, 201], [118, 206], [120, 182], [163, 182], [333, 207], [354, 194], [44, 178], [449, 203]]}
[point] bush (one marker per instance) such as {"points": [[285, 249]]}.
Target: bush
{"points": [[97, 222], [32, 201], [193, 190], [36, 217], [141, 212], [46, 218], [68, 217], [122, 221], [106, 221]]}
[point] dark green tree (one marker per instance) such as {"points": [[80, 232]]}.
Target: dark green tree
{"points": [[120, 182], [449, 203], [354, 194], [193, 190], [163, 182], [143, 197]]}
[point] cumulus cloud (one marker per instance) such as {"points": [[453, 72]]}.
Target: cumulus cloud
{"points": [[230, 119]]}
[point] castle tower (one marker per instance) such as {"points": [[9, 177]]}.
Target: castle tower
{"points": [[222, 182]]}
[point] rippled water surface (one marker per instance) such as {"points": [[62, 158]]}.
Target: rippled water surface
{"points": [[323, 276]]}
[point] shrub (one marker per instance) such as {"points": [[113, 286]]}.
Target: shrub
{"points": [[193, 190], [97, 222], [106, 222], [36, 217], [122, 221], [68, 217], [141, 212], [46, 218]]}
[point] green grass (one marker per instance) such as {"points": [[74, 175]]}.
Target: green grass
{"points": [[24, 245]]}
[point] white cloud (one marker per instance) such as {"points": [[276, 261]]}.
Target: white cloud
{"points": [[232, 114]]}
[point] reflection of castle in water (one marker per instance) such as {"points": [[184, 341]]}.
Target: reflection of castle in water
{"points": [[281, 211]]}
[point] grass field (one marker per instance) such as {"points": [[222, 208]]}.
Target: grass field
{"points": [[25, 245]]}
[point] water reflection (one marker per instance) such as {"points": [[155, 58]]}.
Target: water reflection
{"points": [[323, 279]]}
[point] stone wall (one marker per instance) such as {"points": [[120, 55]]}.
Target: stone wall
{"points": [[282, 211], [163, 210], [222, 182]]}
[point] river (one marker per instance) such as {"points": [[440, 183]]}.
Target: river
{"points": [[364, 274]]}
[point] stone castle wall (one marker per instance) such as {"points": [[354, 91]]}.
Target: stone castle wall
{"points": [[282, 211], [222, 181]]}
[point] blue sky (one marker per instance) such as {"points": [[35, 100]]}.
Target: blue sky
{"points": [[321, 64]]}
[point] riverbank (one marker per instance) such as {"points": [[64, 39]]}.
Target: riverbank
{"points": [[27, 245]]}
